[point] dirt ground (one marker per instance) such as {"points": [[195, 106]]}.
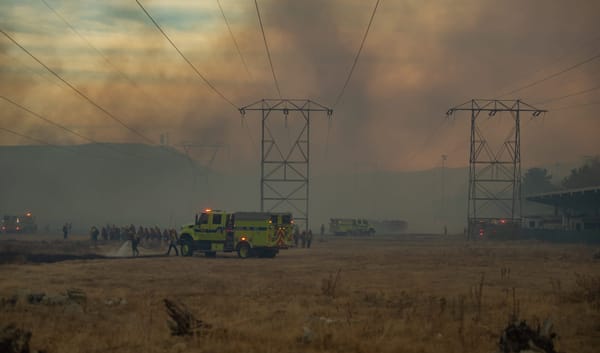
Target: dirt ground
{"points": [[382, 294]]}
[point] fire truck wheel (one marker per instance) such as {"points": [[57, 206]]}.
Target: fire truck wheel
{"points": [[186, 246], [244, 250]]}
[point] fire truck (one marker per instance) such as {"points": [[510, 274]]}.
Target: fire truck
{"points": [[350, 226], [259, 234], [495, 228], [19, 224]]}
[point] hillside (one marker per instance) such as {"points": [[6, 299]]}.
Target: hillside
{"points": [[94, 183], [97, 183]]}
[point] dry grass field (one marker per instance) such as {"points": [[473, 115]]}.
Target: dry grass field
{"points": [[392, 294]]}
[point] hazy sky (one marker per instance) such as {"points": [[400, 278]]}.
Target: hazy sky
{"points": [[421, 58]]}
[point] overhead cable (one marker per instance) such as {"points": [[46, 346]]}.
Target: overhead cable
{"points": [[237, 47], [551, 76], [362, 43], [81, 94], [267, 48], [60, 126], [206, 81], [26, 137], [99, 52], [569, 95]]}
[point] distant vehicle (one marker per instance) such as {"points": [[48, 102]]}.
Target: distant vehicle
{"points": [[392, 226], [350, 226], [496, 228], [260, 234], [19, 224]]}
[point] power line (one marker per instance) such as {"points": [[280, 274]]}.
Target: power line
{"points": [[48, 120], [233, 38], [99, 52], [27, 137], [42, 142], [71, 131], [81, 94], [267, 48], [551, 76], [569, 95], [357, 56], [572, 106], [557, 59], [185, 58]]}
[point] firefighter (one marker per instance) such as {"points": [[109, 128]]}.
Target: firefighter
{"points": [[65, 230], [296, 236], [173, 242], [165, 236], [135, 240], [303, 238], [94, 234], [309, 236]]}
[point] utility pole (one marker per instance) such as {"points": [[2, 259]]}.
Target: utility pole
{"points": [[494, 174], [444, 158], [285, 159]]}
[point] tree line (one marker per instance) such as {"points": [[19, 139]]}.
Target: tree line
{"points": [[539, 180]]}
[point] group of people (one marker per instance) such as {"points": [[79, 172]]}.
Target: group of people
{"points": [[304, 238], [112, 232], [136, 236]]}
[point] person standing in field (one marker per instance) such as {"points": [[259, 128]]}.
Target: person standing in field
{"points": [[65, 230], [173, 242], [309, 236], [303, 238], [135, 240], [94, 234], [296, 236]]}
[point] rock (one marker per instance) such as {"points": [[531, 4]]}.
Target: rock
{"points": [[182, 322], [115, 301], [307, 335], [76, 295], [58, 299], [522, 338], [35, 298], [10, 301], [14, 340]]}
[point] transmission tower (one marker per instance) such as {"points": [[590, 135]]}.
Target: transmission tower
{"points": [[494, 171], [285, 154]]}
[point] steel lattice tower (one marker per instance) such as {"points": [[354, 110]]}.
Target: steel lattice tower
{"points": [[285, 172], [494, 175]]}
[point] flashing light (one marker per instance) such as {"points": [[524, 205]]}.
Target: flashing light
{"points": [[28, 214], [207, 210], [243, 238], [270, 221], [292, 221], [18, 228], [503, 221]]}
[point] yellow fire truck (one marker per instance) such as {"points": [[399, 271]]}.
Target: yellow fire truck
{"points": [[350, 226], [19, 224], [249, 234]]}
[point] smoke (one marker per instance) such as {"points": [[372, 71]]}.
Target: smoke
{"points": [[420, 59]]}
